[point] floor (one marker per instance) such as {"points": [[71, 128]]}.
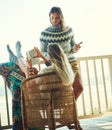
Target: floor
{"points": [[103, 122], [100, 123]]}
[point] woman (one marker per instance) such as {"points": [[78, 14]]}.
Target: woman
{"points": [[62, 35], [13, 76], [59, 63]]}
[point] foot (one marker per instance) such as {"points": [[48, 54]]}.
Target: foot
{"points": [[12, 57], [8, 49], [18, 49]]}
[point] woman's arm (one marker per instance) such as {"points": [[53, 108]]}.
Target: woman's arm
{"points": [[40, 54]]}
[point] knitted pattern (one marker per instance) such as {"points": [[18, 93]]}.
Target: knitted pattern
{"points": [[56, 35]]}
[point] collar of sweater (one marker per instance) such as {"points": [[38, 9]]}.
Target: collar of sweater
{"points": [[54, 29]]}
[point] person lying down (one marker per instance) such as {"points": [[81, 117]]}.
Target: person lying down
{"points": [[57, 62]]}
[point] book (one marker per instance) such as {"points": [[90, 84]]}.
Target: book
{"points": [[31, 55]]}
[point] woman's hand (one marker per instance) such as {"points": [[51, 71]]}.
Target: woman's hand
{"points": [[38, 52], [31, 71], [77, 46]]}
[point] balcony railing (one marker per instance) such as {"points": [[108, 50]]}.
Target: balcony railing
{"points": [[96, 73]]}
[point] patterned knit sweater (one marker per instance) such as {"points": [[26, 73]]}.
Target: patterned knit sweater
{"points": [[56, 35]]}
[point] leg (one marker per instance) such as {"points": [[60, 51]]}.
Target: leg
{"points": [[26, 67], [19, 59], [12, 56], [77, 84], [18, 49], [23, 66]]}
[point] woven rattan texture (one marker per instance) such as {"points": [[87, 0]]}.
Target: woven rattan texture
{"points": [[46, 102]]}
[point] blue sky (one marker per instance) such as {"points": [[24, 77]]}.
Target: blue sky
{"points": [[23, 20]]}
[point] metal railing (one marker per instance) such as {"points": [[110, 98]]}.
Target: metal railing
{"points": [[96, 73]]}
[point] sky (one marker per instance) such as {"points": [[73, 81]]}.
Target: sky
{"points": [[23, 20]]}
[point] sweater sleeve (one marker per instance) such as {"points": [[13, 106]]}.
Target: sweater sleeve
{"points": [[43, 48], [73, 43], [43, 45]]}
